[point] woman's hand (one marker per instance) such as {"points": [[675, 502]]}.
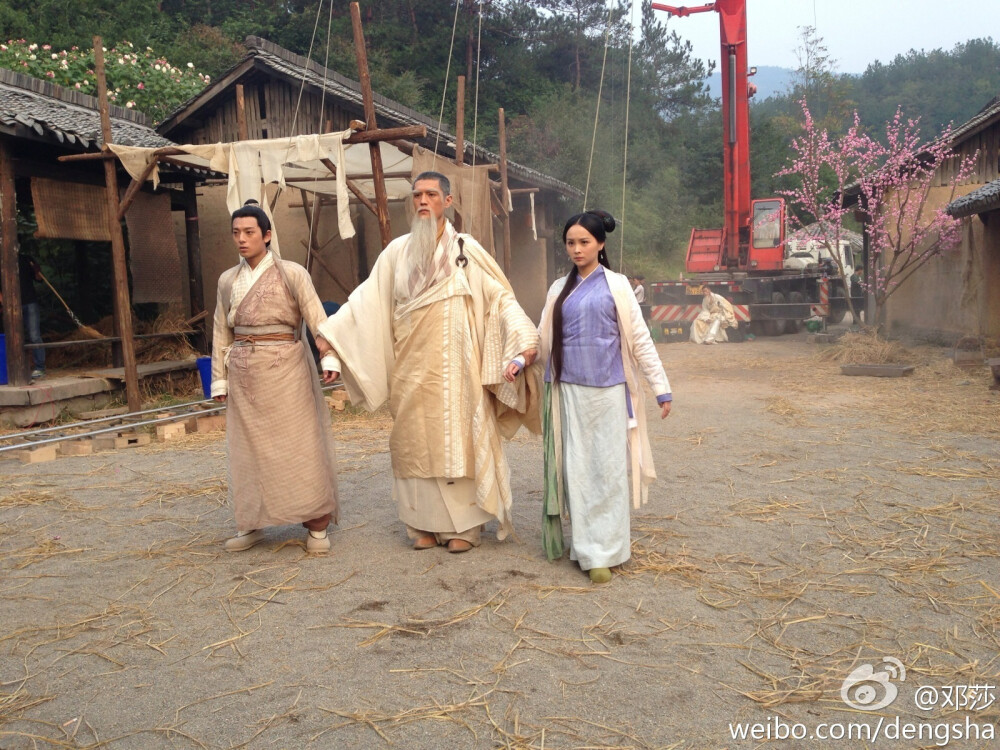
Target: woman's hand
{"points": [[665, 409]]}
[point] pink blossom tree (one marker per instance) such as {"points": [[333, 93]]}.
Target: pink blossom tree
{"points": [[892, 182]]}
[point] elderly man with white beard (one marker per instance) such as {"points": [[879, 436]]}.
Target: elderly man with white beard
{"points": [[435, 330]]}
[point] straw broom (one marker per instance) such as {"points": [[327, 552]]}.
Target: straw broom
{"points": [[86, 330]]}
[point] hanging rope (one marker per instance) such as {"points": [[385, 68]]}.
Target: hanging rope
{"points": [[628, 101], [298, 102], [320, 127], [444, 89], [305, 70], [597, 113]]}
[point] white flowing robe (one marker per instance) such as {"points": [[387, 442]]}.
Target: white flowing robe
{"points": [[716, 309], [438, 359]]}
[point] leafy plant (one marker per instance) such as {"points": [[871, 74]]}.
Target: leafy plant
{"points": [[138, 79]]}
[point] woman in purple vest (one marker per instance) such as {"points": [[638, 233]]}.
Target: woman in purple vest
{"points": [[597, 348]]}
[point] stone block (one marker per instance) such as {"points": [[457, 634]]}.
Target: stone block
{"points": [[38, 455], [820, 338], [76, 448], [170, 431], [211, 424], [132, 439]]}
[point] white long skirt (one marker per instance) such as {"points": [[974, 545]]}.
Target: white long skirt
{"points": [[595, 470]]}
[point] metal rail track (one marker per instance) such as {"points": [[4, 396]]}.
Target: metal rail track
{"points": [[93, 427]]}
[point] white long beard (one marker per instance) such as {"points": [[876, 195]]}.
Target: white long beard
{"points": [[418, 258]]}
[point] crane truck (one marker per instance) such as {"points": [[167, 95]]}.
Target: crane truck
{"points": [[746, 260]]}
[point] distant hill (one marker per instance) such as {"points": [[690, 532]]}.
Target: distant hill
{"points": [[770, 81]]}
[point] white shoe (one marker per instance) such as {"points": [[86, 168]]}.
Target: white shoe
{"points": [[244, 540], [317, 542], [37, 374]]}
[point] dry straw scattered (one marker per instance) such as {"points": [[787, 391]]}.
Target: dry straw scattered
{"points": [[867, 348]]}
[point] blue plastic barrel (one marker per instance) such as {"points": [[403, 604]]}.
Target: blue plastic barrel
{"points": [[3, 359], [205, 370]]}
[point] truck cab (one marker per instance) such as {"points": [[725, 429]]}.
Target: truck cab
{"points": [[810, 254]]}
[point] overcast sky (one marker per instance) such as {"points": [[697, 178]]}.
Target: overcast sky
{"points": [[856, 32]]}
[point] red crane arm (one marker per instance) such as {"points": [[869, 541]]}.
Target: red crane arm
{"points": [[682, 10], [736, 117]]}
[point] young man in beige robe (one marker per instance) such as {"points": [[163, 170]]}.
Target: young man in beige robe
{"points": [[282, 467], [435, 330]]}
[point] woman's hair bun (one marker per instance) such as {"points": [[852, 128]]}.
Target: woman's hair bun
{"points": [[607, 219]]}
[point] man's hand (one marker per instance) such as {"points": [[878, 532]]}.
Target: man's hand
{"points": [[665, 409], [221, 399], [530, 356], [323, 346], [329, 376], [511, 371]]}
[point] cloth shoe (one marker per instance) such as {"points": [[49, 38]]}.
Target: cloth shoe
{"points": [[600, 575], [244, 540], [425, 542], [317, 542]]}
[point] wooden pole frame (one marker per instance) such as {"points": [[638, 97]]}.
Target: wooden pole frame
{"points": [[196, 284], [123, 305], [504, 199], [460, 137], [10, 279], [381, 197]]}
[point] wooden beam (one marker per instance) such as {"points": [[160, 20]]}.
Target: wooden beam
{"points": [[353, 187], [505, 216], [10, 280], [460, 122], [381, 198], [241, 114], [330, 272], [387, 134], [313, 227], [134, 188], [460, 138], [390, 135], [123, 305]]}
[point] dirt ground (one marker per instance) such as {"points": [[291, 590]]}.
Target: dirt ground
{"points": [[804, 524]]}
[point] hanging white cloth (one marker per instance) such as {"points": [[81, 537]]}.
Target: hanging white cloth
{"points": [[251, 165]]}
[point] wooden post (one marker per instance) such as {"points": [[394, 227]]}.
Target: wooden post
{"points": [[10, 280], [378, 180], [123, 305], [503, 194], [312, 222], [195, 283], [241, 113], [460, 123], [459, 138]]}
